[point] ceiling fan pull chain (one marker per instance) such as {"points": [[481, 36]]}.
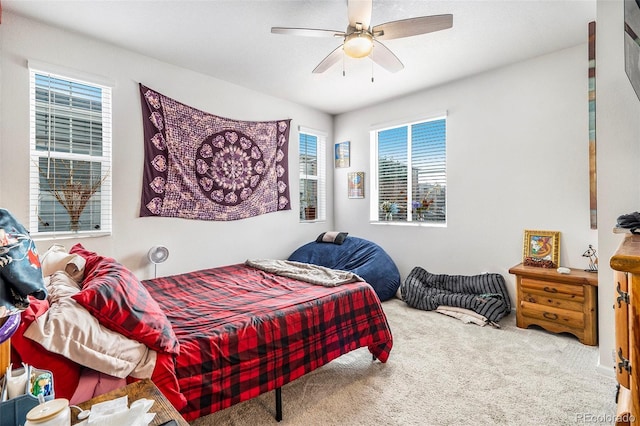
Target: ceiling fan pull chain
{"points": [[372, 71], [343, 72]]}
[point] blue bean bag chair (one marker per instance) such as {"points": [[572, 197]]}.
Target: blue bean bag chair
{"points": [[362, 257]]}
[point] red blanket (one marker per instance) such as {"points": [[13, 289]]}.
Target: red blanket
{"points": [[244, 332]]}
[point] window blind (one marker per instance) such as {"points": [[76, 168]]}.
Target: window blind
{"points": [[70, 172], [312, 158], [411, 173]]}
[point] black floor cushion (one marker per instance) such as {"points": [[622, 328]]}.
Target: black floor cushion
{"points": [[485, 294]]}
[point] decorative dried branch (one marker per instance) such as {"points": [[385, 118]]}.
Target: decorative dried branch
{"points": [[72, 195]]}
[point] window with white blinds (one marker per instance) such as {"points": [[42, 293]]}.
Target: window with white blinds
{"points": [[409, 179], [312, 175], [70, 171]]}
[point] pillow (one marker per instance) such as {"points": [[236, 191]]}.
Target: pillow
{"points": [[60, 284], [332, 237], [112, 294], [66, 373], [58, 259], [71, 331], [90, 257]]}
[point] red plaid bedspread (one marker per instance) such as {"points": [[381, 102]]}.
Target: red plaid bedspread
{"points": [[244, 332]]}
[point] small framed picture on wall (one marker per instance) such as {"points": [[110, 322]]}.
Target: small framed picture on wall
{"points": [[355, 184], [342, 153]]}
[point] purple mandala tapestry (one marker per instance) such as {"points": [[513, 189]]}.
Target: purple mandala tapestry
{"points": [[201, 166]]}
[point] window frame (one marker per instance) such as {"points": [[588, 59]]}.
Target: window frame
{"points": [[104, 159], [320, 177], [374, 208]]}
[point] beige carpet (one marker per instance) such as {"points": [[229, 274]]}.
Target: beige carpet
{"points": [[444, 372]]}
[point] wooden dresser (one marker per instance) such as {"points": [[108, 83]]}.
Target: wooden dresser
{"points": [[626, 265], [558, 302]]}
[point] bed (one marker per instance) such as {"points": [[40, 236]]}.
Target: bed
{"points": [[218, 336]]}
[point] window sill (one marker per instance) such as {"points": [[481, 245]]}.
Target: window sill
{"points": [[413, 224], [47, 236]]}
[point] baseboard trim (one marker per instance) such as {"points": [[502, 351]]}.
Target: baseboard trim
{"points": [[606, 370]]}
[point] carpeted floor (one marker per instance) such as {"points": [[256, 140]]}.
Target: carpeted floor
{"points": [[444, 372]]}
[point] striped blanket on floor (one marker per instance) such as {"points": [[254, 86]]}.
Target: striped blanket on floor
{"points": [[485, 294]]}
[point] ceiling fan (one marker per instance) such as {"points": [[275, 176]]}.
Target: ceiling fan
{"points": [[360, 40]]}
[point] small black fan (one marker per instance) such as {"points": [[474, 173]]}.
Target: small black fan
{"points": [[360, 40]]}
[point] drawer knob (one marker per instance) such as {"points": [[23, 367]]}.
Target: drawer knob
{"points": [[550, 316], [550, 290]]}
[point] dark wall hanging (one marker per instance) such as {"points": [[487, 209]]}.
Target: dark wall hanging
{"points": [[201, 166]]}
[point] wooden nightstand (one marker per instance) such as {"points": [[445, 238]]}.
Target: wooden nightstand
{"points": [[141, 389], [558, 302]]}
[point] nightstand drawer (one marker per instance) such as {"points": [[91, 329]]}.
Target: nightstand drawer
{"points": [[571, 319], [553, 289], [551, 300]]}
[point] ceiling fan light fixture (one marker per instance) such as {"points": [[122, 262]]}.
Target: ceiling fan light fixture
{"points": [[358, 44], [362, 40]]}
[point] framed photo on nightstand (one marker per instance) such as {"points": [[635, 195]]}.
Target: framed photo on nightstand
{"points": [[541, 248]]}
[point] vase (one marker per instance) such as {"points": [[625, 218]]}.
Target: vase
{"points": [[310, 213], [388, 216]]}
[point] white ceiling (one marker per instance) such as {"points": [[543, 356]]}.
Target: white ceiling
{"points": [[231, 40]]}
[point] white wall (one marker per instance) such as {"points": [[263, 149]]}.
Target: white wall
{"points": [[618, 145], [193, 244], [517, 158]]}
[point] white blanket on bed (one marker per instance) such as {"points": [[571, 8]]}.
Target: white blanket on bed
{"points": [[306, 272], [70, 330]]}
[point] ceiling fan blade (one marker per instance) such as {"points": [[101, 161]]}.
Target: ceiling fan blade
{"points": [[412, 26], [384, 57], [307, 32], [331, 59], [359, 11]]}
